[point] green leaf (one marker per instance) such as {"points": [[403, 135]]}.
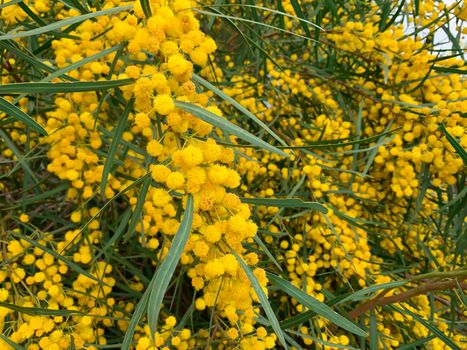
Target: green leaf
{"points": [[146, 8], [226, 126], [137, 315], [373, 331], [73, 66], [134, 184], [49, 88], [64, 22], [11, 342], [10, 144], [298, 10], [263, 300], [75, 267], [166, 269], [266, 251], [117, 234], [18, 114], [9, 3], [237, 105], [315, 305], [436, 331], [138, 208], [285, 203], [370, 290], [416, 344], [117, 135], [459, 149], [75, 4], [40, 311]]}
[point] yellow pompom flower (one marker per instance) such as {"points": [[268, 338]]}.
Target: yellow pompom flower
{"points": [[175, 180], [163, 104], [154, 148]]}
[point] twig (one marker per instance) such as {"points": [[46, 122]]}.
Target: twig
{"points": [[401, 297]]}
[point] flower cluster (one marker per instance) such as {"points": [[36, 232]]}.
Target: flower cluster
{"points": [[372, 124]]}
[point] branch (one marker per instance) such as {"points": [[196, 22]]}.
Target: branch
{"points": [[425, 288]]}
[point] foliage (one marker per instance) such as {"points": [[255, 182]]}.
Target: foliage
{"points": [[248, 175]]}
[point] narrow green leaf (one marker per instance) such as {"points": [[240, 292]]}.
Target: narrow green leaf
{"points": [[166, 269], [10, 144], [39, 311], [450, 70], [23, 53], [226, 126], [73, 66], [315, 305], [134, 184], [285, 203], [49, 88], [146, 8], [18, 114], [436, 331], [263, 300], [373, 331], [75, 4], [326, 343], [9, 3], [116, 235], [237, 105], [117, 135], [299, 12], [459, 149], [65, 22], [137, 315], [11, 342], [370, 290], [416, 344], [138, 208], [75, 267], [267, 252]]}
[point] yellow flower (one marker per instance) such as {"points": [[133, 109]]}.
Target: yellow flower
{"points": [[154, 148], [175, 180], [163, 104]]}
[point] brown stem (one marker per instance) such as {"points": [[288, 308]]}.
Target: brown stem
{"points": [[401, 297]]}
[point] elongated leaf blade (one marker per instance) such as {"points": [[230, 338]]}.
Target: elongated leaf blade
{"points": [[18, 114], [263, 300], [166, 269], [75, 267], [49, 88], [146, 8], [65, 22], [370, 290], [435, 330], [11, 342], [138, 208], [24, 164], [227, 126], [237, 105], [285, 203], [459, 149], [137, 315], [316, 305], [117, 136]]}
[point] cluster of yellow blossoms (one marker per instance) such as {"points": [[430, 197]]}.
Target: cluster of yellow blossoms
{"points": [[379, 168]]}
